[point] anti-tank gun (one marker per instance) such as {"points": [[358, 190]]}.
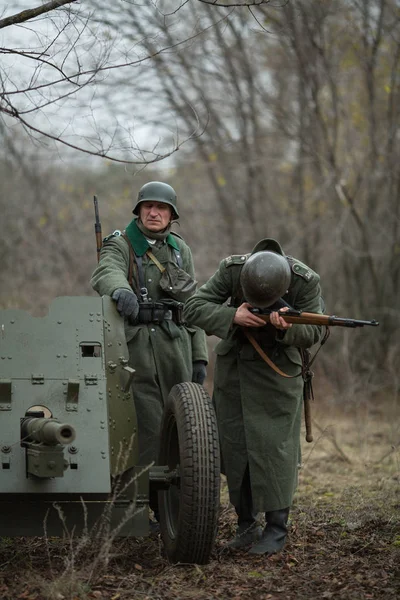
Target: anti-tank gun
{"points": [[68, 435], [43, 440]]}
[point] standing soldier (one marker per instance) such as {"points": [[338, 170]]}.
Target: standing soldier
{"points": [[148, 270], [258, 408]]}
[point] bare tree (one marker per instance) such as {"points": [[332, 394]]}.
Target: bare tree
{"points": [[302, 143], [345, 130], [54, 57], [299, 108], [213, 73]]}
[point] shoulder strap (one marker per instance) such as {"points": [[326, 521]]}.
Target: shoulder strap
{"points": [[177, 254], [155, 260], [131, 259], [135, 263]]}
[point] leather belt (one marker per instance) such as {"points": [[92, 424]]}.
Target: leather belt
{"points": [[156, 312]]}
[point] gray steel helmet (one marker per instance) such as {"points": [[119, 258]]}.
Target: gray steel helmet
{"points": [[158, 192], [264, 278]]}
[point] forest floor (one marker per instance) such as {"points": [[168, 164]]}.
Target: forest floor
{"points": [[344, 541]]}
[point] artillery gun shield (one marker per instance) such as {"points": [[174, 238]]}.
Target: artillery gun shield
{"points": [[67, 419], [68, 442]]}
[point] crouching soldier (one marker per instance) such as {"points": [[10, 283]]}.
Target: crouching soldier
{"points": [[258, 400]]}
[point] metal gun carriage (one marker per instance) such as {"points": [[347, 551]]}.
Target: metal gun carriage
{"points": [[68, 435]]}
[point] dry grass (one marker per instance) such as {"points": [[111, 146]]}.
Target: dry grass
{"points": [[344, 541]]}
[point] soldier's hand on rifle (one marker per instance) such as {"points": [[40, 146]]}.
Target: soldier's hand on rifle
{"points": [[277, 320], [245, 318], [127, 303]]}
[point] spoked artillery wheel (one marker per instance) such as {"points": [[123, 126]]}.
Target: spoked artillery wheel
{"points": [[189, 444]]}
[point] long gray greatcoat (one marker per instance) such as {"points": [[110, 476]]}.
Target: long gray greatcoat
{"points": [[161, 354], [258, 411]]}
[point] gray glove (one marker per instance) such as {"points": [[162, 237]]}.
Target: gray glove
{"points": [[127, 303], [199, 372]]}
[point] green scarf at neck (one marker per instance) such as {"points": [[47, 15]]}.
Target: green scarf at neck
{"points": [[153, 235], [137, 237]]}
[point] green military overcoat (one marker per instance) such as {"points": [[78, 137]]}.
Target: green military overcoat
{"points": [[161, 354], [258, 411]]}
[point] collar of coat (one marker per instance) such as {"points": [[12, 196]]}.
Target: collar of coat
{"points": [[139, 243], [268, 244]]}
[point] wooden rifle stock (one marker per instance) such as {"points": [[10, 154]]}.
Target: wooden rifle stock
{"points": [[306, 318], [97, 228]]}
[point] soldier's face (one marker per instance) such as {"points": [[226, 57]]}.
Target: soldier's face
{"points": [[155, 215]]}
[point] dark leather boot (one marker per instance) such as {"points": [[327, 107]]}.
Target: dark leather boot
{"points": [[274, 535], [246, 534], [248, 530]]}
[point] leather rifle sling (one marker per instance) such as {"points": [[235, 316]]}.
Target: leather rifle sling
{"points": [[131, 260], [266, 358], [306, 399]]}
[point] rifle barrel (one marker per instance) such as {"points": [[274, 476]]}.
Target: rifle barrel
{"points": [[97, 228], [97, 224], [304, 318], [352, 322]]}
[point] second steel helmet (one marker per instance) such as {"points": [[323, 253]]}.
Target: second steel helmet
{"points": [[157, 191], [264, 278]]}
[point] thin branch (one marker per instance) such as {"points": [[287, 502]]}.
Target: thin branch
{"points": [[103, 153], [27, 15], [330, 434], [38, 59], [232, 4]]}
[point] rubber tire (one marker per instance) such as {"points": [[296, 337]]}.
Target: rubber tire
{"points": [[189, 509]]}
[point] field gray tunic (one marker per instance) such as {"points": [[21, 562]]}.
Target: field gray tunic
{"points": [[161, 354], [258, 411]]}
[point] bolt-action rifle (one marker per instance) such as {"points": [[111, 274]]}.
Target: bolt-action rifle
{"points": [[97, 228]]}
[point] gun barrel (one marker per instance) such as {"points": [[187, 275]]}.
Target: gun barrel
{"points": [[305, 318], [97, 228], [351, 322], [47, 431], [97, 224]]}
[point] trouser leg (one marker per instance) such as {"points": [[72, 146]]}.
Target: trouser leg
{"points": [[153, 502], [248, 529]]}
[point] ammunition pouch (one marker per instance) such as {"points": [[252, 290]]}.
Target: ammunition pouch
{"points": [[150, 312], [156, 312]]}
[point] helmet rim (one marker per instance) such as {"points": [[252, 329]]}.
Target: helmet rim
{"points": [[157, 191]]}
